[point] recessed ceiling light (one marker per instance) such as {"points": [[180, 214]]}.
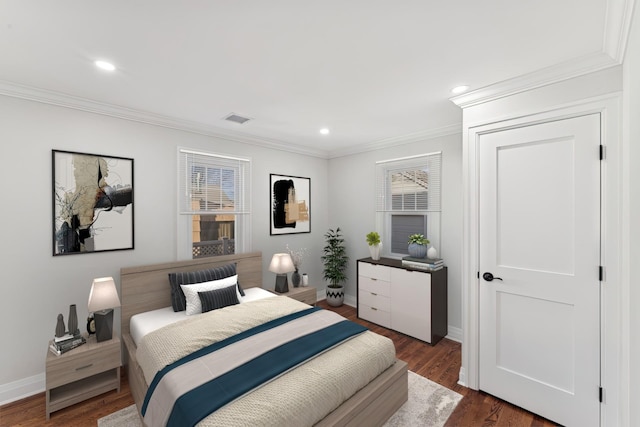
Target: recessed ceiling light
{"points": [[104, 65], [459, 89], [324, 131]]}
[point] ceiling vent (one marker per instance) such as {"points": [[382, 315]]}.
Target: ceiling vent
{"points": [[237, 119]]}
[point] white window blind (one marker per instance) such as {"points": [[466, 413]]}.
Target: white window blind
{"points": [[213, 184], [409, 184]]}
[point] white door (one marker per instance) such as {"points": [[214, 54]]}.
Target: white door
{"points": [[540, 235]]}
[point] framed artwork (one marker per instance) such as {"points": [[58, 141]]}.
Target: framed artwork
{"points": [[290, 204], [92, 203]]}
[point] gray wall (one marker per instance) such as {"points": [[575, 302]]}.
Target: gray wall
{"points": [[37, 286], [352, 198]]}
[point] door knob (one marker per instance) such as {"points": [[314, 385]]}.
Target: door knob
{"points": [[489, 277]]}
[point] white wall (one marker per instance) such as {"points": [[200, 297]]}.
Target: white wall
{"points": [[632, 139], [37, 286], [352, 208]]}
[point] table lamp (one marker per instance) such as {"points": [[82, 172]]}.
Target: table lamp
{"points": [[103, 298], [281, 264]]}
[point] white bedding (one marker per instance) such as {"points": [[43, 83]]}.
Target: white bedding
{"points": [[144, 323], [300, 397]]}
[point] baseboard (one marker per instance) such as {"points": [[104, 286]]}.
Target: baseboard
{"points": [[20, 389], [348, 300], [454, 334], [351, 300], [462, 380]]}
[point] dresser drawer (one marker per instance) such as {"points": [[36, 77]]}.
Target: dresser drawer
{"points": [[372, 314], [375, 286], [76, 365], [371, 299], [374, 271]]}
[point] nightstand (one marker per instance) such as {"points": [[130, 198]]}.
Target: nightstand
{"points": [[82, 373], [305, 294]]}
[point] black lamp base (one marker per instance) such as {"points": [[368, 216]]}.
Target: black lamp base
{"points": [[282, 284], [104, 324]]}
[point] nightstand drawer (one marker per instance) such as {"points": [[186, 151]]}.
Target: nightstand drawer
{"points": [[77, 364], [376, 286], [310, 301], [308, 297], [371, 299], [305, 294], [372, 314]]}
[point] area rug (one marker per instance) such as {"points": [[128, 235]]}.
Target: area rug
{"points": [[429, 404]]}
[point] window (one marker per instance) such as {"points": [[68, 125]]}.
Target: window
{"points": [[213, 204], [408, 201]]}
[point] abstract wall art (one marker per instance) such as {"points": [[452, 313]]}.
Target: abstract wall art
{"points": [[290, 204], [92, 203]]}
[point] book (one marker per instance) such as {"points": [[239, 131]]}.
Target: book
{"points": [[422, 266], [55, 349], [435, 262], [66, 337], [63, 338], [423, 263], [69, 344]]}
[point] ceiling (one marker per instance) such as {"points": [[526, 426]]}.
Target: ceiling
{"points": [[372, 71]]}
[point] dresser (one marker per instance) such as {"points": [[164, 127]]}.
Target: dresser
{"points": [[410, 301]]}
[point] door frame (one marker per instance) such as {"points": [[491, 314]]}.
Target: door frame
{"points": [[613, 313]]}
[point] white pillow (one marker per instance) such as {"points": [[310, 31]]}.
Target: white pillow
{"points": [[194, 306]]}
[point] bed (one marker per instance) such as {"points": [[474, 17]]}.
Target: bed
{"points": [[146, 289]]}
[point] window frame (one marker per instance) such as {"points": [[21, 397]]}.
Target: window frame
{"points": [[384, 198], [241, 198]]}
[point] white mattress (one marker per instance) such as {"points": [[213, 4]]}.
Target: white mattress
{"points": [[143, 323]]}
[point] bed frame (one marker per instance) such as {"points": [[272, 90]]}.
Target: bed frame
{"points": [[147, 288]]}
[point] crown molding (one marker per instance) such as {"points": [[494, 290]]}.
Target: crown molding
{"points": [[617, 27], [546, 76], [83, 104], [399, 140], [616, 34]]}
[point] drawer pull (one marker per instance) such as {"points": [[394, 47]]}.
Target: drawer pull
{"points": [[84, 367], [374, 279], [374, 294], [374, 309]]}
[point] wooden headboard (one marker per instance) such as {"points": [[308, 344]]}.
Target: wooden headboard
{"points": [[146, 288]]}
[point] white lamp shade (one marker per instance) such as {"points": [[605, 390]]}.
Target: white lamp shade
{"points": [[281, 264], [103, 294]]}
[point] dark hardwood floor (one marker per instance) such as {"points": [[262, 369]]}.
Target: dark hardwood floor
{"points": [[439, 363]]}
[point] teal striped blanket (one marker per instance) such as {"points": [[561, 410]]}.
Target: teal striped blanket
{"points": [[191, 388]]}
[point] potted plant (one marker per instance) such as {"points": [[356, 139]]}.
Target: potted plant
{"points": [[334, 257], [373, 239], [418, 245]]}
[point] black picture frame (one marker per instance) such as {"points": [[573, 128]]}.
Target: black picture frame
{"points": [[284, 191], [92, 203]]}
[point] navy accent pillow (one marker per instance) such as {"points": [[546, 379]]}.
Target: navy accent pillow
{"points": [[178, 300], [218, 298]]}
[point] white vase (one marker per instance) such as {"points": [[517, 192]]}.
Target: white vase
{"points": [[374, 250], [432, 253]]}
